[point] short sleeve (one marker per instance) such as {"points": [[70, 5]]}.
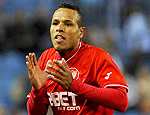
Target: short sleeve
{"points": [[108, 74]]}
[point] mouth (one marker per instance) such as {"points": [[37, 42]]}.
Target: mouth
{"points": [[59, 38]]}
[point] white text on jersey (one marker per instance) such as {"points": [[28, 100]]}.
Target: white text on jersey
{"points": [[61, 100]]}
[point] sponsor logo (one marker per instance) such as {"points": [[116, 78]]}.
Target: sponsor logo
{"points": [[63, 100]]}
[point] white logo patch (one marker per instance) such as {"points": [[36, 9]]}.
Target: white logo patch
{"points": [[108, 75]]}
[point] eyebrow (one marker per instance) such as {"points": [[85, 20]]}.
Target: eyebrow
{"points": [[63, 21], [55, 20]]}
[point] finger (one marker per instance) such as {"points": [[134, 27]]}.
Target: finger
{"points": [[64, 63], [34, 59], [28, 59], [48, 64], [55, 68], [54, 74], [56, 80], [31, 59], [28, 66], [62, 66], [29, 70]]}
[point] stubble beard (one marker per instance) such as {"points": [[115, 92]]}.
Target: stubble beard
{"points": [[63, 51]]}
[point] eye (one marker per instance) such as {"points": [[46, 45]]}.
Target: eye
{"points": [[54, 23], [68, 24]]}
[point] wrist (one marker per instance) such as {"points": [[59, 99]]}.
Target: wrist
{"points": [[38, 91]]}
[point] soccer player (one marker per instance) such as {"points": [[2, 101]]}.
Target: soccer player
{"points": [[74, 78]]}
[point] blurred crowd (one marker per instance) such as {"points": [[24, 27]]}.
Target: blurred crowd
{"points": [[122, 28]]}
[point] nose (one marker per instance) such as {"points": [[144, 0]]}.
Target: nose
{"points": [[60, 28]]}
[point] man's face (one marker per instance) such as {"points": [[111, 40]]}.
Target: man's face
{"points": [[65, 33]]}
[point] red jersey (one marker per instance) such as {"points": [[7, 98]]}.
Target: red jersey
{"points": [[89, 65]]}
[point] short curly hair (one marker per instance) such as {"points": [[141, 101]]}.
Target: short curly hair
{"points": [[74, 7]]}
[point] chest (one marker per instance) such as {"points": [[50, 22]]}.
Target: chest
{"points": [[81, 66]]}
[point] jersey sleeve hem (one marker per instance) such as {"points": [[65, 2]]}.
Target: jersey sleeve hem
{"points": [[116, 85]]}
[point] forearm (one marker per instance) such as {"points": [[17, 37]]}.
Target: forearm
{"points": [[114, 98], [36, 103]]}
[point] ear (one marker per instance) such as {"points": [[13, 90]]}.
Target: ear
{"points": [[81, 32]]}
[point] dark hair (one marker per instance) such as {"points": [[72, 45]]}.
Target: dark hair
{"points": [[74, 7]]}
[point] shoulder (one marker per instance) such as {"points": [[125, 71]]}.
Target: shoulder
{"points": [[45, 56], [96, 52], [48, 52]]}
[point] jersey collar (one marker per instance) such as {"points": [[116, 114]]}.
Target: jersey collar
{"points": [[70, 55]]}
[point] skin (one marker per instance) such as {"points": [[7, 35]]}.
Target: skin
{"points": [[65, 24]]}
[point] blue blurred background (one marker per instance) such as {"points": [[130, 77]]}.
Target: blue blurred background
{"points": [[121, 27]]}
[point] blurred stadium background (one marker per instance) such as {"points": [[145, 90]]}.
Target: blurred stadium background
{"points": [[121, 27]]}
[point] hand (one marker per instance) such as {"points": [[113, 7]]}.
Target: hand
{"points": [[37, 77], [64, 77]]}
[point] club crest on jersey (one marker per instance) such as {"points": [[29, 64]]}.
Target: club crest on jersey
{"points": [[75, 73]]}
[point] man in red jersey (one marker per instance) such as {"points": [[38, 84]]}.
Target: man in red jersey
{"points": [[74, 78]]}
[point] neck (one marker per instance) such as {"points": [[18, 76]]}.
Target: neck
{"points": [[70, 55], [65, 52]]}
